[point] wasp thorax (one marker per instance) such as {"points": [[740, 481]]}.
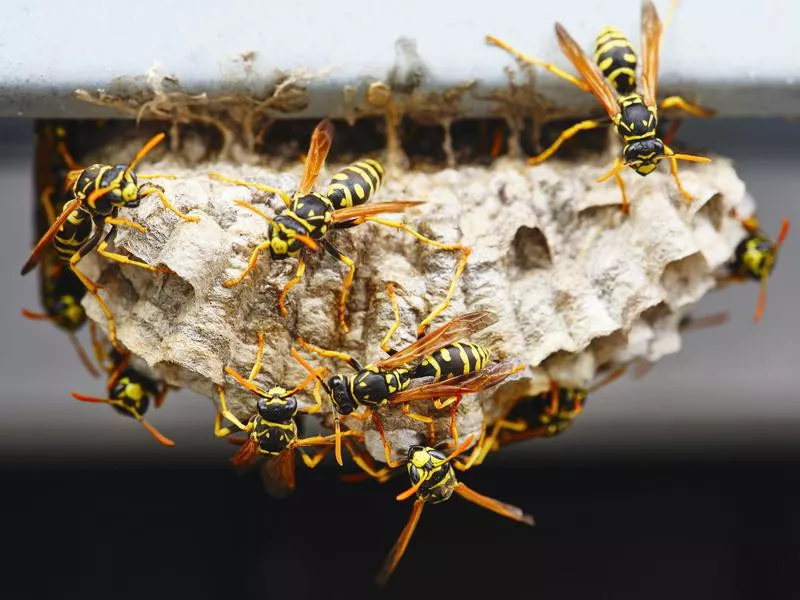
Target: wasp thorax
{"points": [[340, 395], [277, 409]]}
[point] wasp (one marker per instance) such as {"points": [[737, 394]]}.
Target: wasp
{"points": [[632, 108], [130, 392], [98, 192], [272, 431], [60, 290], [543, 415], [755, 257], [433, 480], [388, 382], [310, 216]]}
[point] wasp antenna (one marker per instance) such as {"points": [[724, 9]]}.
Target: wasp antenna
{"points": [[152, 143], [155, 432], [410, 491]]}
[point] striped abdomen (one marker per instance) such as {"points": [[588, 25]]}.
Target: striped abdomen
{"points": [[355, 184], [616, 58], [73, 234], [453, 360]]}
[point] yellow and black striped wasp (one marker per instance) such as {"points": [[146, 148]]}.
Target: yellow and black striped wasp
{"points": [[130, 392], [755, 257], [272, 431], [632, 109], [60, 289], [433, 480], [451, 370], [542, 415], [98, 192], [310, 216]]}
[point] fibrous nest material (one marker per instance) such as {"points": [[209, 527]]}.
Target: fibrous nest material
{"points": [[577, 285]]}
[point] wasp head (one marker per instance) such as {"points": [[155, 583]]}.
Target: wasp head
{"points": [[278, 408], [132, 393], [643, 156], [340, 395], [282, 233], [755, 256]]}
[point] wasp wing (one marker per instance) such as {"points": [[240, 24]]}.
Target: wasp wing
{"points": [[367, 210], [246, 455], [277, 474], [399, 548], [454, 330], [589, 71], [44, 242], [651, 45], [470, 383], [318, 149]]}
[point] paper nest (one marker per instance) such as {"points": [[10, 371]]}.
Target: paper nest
{"points": [[576, 285]]}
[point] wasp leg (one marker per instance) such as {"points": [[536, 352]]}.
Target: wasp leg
{"points": [[46, 200], [102, 251], [387, 448], [390, 291], [680, 104], [147, 190], [674, 126], [126, 223], [250, 265], [465, 252], [673, 168], [255, 186], [92, 287], [298, 276], [366, 465], [259, 356], [535, 61], [223, 412], [477, 450], [330, 354], [621, 186], [313, 461], [453, 403], [82, 355], [348, 281], [399, 548], [406, 407], [155, 176], [563, 137]]}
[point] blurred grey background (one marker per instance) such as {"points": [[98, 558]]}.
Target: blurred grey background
{"points": [[732, 390]]}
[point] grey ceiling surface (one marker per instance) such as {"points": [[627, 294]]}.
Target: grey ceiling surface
{"points": [[735, 56]]}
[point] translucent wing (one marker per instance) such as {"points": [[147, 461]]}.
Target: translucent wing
{"points": [[44, 242], [454, 330], [246, 454], [501, 508], [399, 548], [318, 149], [367, 210], [278, 474], [589, 71], [459, 386], [651, 44]]}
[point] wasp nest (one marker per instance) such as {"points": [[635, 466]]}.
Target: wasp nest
{"points": [[577, 286]]}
